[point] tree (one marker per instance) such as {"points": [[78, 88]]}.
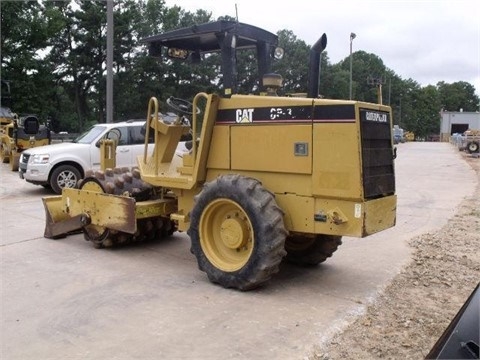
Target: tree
{"points": [[294, 65], [335, 83], [53, 52], [406, 104], [24, 33], [365, 67], [425, 120], [457, 96]]}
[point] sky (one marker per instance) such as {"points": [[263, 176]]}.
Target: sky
{"points": [[424, 40]]}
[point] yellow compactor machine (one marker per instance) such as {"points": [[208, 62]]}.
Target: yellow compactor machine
{"points": [[268, 178], [18, 134], [21, 134]]}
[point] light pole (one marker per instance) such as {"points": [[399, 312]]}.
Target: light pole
{"points": [[352, 36]]}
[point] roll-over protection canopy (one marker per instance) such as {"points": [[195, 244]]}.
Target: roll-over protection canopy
{"points": [[221, 36]]}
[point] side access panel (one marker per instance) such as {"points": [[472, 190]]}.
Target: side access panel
{"points": [[275, 148]]}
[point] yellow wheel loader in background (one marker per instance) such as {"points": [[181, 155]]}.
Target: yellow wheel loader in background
{"points": [[21, 134], [7, 118], [267, 177], [18, 134]]}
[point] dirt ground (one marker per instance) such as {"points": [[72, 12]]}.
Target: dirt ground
{"points": [[412, 312]]}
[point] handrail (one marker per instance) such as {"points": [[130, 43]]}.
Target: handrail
{"points": [[153, 101], [194, 122]]}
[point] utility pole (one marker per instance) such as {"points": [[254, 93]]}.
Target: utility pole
{"points": [[109, 61], [377, 82]]}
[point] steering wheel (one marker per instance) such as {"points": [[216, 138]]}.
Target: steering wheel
{"points": [[180, 106]]}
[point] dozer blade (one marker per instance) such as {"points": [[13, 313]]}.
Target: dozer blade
{"points": [[57, 222], [75, 209]]}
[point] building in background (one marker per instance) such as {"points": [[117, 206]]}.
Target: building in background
{"points": [[457, 122]]}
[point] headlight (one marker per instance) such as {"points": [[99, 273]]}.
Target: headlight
{"points": [[39, 159]]}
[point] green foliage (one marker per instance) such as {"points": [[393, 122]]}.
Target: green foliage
{"points": [[335, 83], [367, 69], [294, 65], [457, 96], [423, 118], [54, 54], [23, 33]]}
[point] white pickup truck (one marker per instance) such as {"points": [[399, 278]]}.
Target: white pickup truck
{"points": [[62, 165]]}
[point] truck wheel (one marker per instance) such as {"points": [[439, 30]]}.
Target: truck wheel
{"points": [[304, 250], [64, 176], [237, 232], [472, 147]]}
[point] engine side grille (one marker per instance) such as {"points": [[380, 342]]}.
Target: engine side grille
{"points": [[377, 154]]}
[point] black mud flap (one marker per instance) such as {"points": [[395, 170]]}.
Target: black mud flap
{"points": [[461, 338]]}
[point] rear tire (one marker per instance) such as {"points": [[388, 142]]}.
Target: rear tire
{"points": [[304, 250], [64, 176], [237, 232]]}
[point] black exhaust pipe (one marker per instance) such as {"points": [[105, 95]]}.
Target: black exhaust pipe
{"points": [[314, 66]]}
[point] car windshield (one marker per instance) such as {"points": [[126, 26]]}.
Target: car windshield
{"points": [[90, 135]]}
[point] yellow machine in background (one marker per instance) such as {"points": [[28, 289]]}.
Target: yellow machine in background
{"points": [[268, 177], [6, 118], [409, 136], [19, 135]]}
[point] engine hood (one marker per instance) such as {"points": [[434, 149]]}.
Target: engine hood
{"points": [[56, 148]]}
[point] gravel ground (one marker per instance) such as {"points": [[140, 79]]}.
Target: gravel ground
{"points": [[413, 311]]}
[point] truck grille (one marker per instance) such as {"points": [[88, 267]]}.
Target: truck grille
{"points": [[377, 154]]}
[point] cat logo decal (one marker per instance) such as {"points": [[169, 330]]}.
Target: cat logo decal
{"points": [[244, 116]]}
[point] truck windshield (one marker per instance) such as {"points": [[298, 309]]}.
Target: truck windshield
{"points": [[90, 135]]}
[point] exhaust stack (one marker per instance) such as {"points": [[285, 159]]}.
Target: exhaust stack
{"points": [[314, 66]]}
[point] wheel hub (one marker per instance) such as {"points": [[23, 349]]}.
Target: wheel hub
{"points": [[234, 233], [226, 234]]}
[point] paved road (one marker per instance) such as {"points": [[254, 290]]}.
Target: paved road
{"points": [[64, 299]]}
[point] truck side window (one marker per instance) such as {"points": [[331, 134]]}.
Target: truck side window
{"points": [[136, 136], [124, 139]]}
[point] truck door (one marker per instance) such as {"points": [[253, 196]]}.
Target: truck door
{"points": [[124, 148]]}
